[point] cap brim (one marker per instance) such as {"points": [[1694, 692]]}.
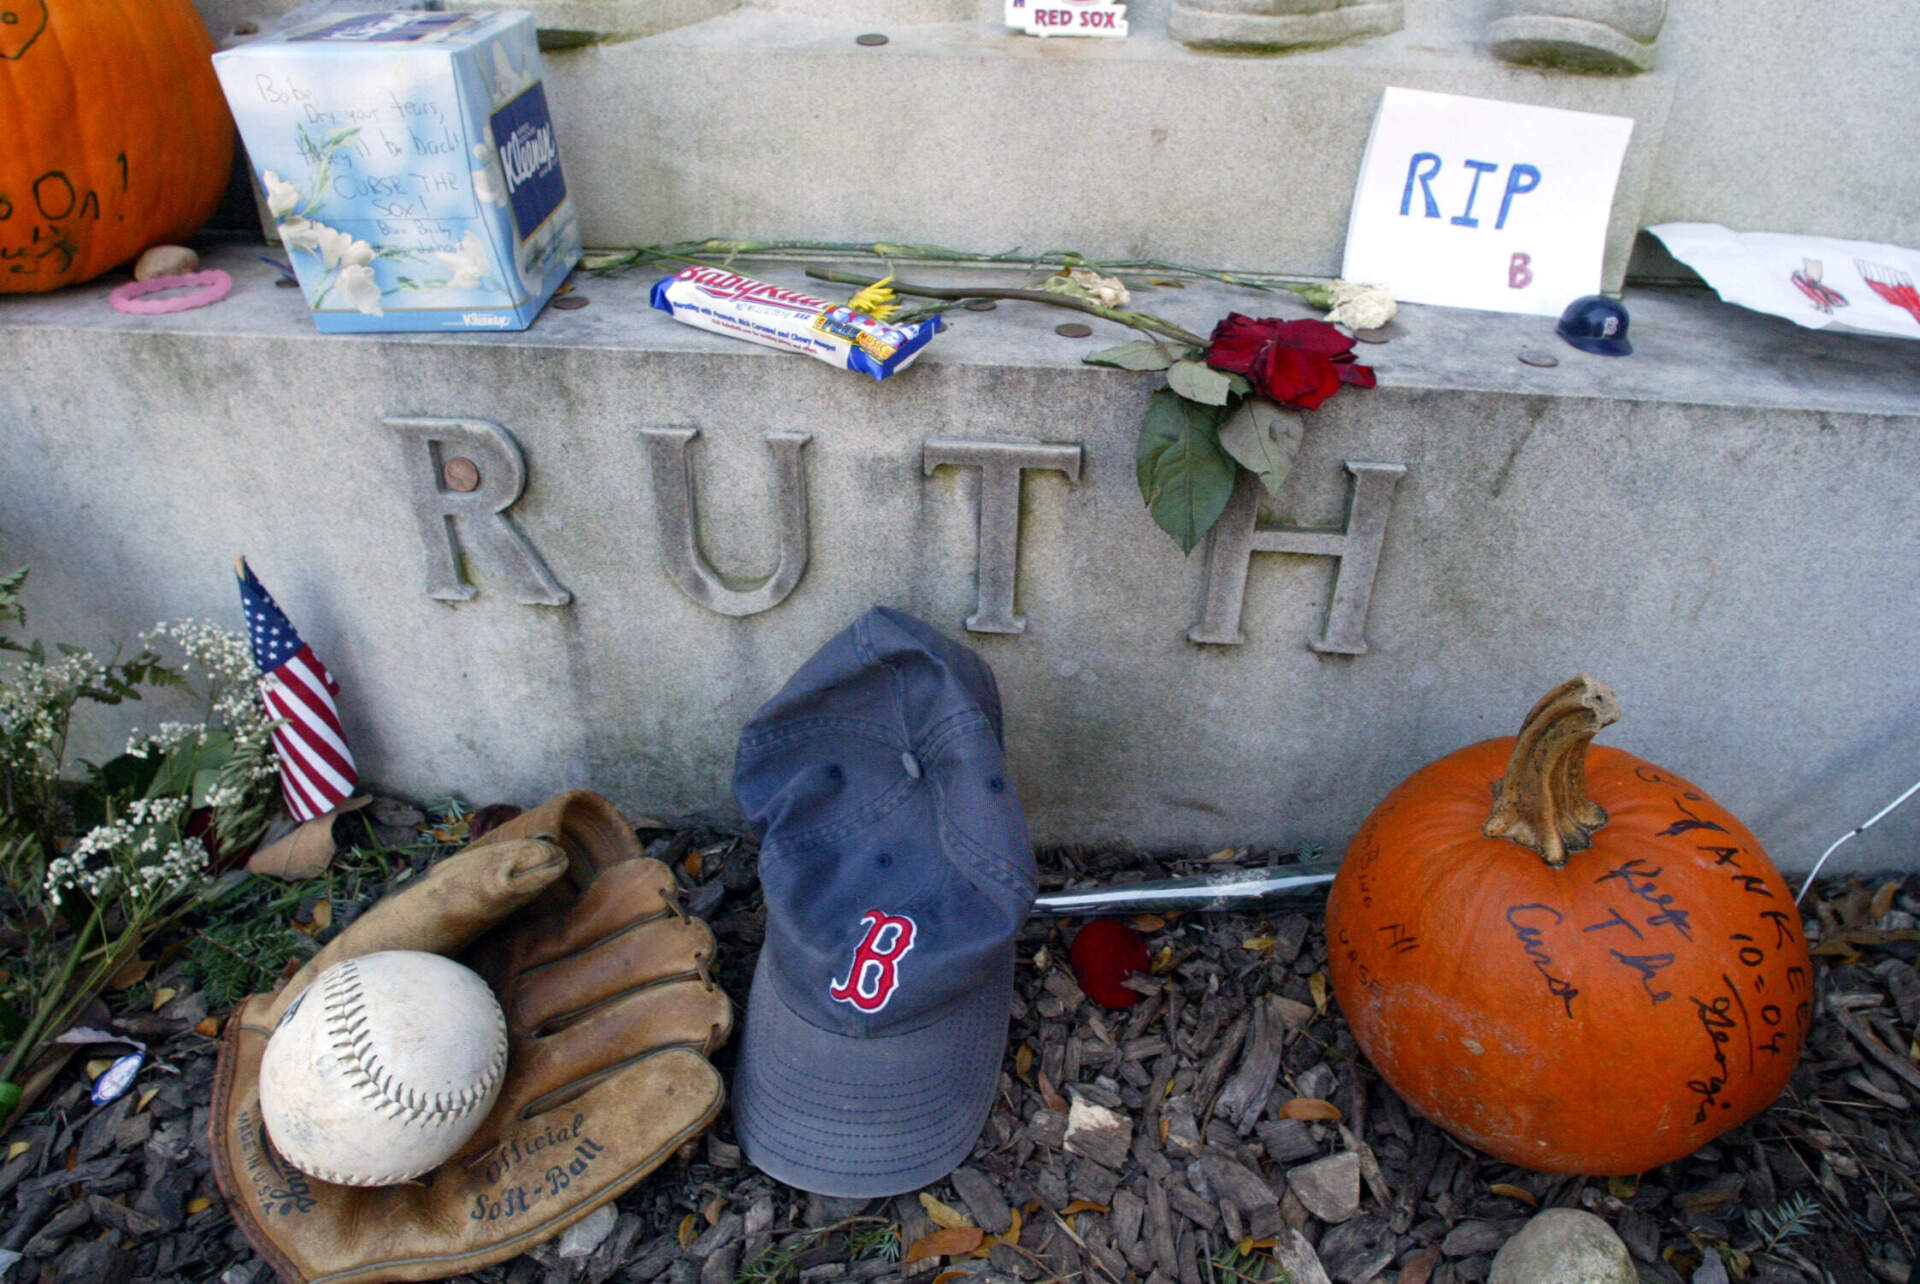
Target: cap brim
{"points": [[865, 1117]]}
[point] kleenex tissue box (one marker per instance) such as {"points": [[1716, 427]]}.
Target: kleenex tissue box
{"points": [[411, 166]]}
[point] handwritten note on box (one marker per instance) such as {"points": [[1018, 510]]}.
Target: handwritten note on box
{"points": [[410, 163], [1472, 203]]}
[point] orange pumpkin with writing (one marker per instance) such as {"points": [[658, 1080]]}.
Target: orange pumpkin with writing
{"points": [[116, 136], [1566, 956]]}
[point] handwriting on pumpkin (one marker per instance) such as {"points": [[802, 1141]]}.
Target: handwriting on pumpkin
{"points": [[1525, 920], [1642, 882]]}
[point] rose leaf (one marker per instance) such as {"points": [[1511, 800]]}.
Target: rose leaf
{"points": [[1184, 478], [1197, 381], [1265, 439], [1141, 354]]}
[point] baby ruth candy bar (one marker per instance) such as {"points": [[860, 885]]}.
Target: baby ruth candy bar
{"points": [[728, 303]]}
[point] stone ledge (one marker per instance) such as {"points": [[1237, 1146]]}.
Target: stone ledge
{"points": [[1727, 512]]}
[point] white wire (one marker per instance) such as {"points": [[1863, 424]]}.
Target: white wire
{"points": [[1912, 789]]}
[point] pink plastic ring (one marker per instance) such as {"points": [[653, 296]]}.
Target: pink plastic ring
{"points": [[208, 287]]}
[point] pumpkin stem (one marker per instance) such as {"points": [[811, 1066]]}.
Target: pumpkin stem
{"points": [[1541, 803]]}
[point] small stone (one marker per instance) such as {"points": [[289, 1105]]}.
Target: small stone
{"points": [[165, 260], [580, 1239], [1328, 1188], [983, 1200], [1102, 1135], [1564, 1246]]}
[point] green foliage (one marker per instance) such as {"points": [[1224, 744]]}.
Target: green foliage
{"points": [[1794, 1215], [234, 958], [883, 1242], [1243, 1264], [867, 1238], [1184, 476], [96, 859]]}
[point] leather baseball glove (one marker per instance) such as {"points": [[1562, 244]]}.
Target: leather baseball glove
{"points": [[610, 1020]]}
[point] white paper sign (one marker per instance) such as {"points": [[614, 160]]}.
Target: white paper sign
{"points": [[1472, 203], [1815, 281], [1068, 17]]}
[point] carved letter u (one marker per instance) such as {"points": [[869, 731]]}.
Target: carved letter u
{"points": [[680, 531]]}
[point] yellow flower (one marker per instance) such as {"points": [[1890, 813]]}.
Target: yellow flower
{"points": [[876, 300]]}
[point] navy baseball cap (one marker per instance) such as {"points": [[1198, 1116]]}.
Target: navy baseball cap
{"points": [[897, 872]]}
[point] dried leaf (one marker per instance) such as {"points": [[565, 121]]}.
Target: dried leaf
{"points": [[1148, 922], [713, 1208], [1311, 1109], [1317, 985], [1083, 1206], [323, 916], [1224, 854], [97, 1067], [307, 851], [208, 1028], [1882, 902], [945, 1216], [1163, 961], [1258, 944], [163, 996], [131, 973], [197, 1206], [1511, 1191], [1051, 1095], [689, 1230], [145, 1099], [694, 864], [1623, 1187], [18, 1149], [1012, 1237], [1023, 1061], [1166, 1125], [947, 1277]]}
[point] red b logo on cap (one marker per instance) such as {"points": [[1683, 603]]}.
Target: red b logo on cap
{"points": [[875, 975]]}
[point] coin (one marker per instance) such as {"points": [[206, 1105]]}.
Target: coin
{"points": [[570, 302], [981, 305], [1539, 357], [871, 38], [1073, 330]]}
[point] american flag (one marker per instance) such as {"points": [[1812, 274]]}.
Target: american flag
{"points": [[316, 767]]}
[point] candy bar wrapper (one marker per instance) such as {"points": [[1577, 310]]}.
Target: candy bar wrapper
{"points": [[775, 317]]}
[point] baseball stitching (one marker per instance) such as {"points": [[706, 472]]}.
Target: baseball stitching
{"points": [[346, 1027]]}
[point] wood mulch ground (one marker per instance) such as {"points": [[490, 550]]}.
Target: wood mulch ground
{"points": [[1145, 1145]]}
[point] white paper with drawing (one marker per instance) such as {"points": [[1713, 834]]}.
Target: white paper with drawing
{"points": [[1472, 203], [1815, 281]]}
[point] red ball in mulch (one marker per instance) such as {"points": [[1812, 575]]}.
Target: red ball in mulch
{"points": [[1105, 953]]}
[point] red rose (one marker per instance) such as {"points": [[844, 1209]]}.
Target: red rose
{"points": [[1104, 954], [1296, 363]]}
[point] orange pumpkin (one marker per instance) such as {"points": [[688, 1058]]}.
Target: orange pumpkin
{"points": [[1565, 956], [117, 135]]}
